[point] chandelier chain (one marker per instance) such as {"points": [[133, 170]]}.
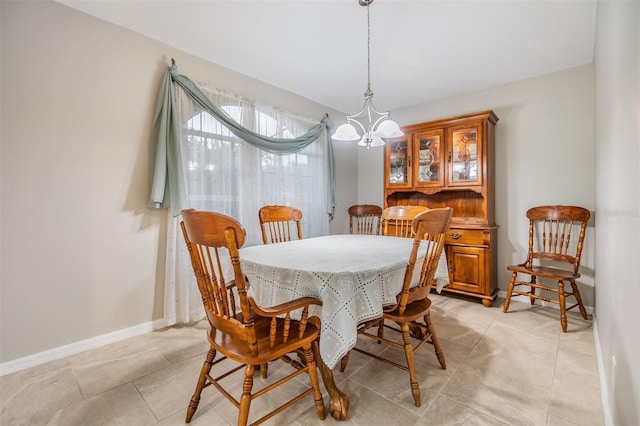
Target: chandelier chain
{"points": [[369, 92]]}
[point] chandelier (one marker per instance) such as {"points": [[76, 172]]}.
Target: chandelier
{"points": [[375, 125]]}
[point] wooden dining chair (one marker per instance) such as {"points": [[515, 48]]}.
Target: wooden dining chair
{"points": [[556, 237], [397, 220], [413, 303], [242, 331], [365, 219], [277, 223]]}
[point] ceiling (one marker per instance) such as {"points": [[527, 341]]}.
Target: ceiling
{"points": [[420, 50]]}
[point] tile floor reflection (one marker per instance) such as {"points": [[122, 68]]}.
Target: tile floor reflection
{"points": [[502, 369]]}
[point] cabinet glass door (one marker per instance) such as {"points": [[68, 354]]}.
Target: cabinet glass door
{"points": [[398, 168], [464, 154], [428, 159]]}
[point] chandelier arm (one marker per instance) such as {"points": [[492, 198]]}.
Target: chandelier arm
{"points": [[358, 114], [375, 110], [351, 119], [379, 120], [367, 111]]}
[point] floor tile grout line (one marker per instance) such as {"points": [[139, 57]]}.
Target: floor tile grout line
{"points": [[553, 380], [77, 383], [395, 403], [146, 403], [450, 377], [459, 367]]}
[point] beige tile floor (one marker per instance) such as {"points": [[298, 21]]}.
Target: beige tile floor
{"points": [[513, 369]]}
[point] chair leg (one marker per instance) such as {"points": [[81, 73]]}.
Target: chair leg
{"points": [[408, 353], [434, 340], [576, 293], [505, 307], [245, 399], [533, 289], [313, 376], [264, 368], [195, 399], [563, 306], [381, 330], [343, 362]]}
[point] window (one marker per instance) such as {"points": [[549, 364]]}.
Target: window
{"points": [[226, 174]]}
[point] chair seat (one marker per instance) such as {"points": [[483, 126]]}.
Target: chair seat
{"points": [[237, 349], [545, 272], [413, 311]]}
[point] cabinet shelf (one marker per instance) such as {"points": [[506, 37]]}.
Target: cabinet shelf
{"points": [[431, 191]]}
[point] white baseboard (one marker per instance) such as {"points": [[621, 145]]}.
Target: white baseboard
{"points": [[606, 409], [77, 347]]}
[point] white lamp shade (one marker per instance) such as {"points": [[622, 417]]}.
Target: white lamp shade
{"points": [[345, 132], [388, 129]]}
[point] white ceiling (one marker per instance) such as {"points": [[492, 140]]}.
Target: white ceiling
{"points": [[420, 50]]}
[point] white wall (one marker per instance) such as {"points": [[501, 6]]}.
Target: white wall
{"points": [[544, 155], [81, 254], [617, 82]]}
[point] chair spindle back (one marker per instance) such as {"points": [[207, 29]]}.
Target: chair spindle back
{"points": [[365, 219], [397, 220], [556, 233], [212, 239], [278, 223]]}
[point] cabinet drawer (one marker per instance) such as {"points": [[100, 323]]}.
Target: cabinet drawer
{"points": [[467, 237]]}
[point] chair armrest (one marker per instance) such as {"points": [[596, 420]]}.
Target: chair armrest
{"points": [[283, 308]]}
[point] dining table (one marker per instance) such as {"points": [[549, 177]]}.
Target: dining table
{"points": [[353, 275]]}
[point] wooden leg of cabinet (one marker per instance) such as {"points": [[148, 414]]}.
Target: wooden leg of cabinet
{"points": [[487, 300]]}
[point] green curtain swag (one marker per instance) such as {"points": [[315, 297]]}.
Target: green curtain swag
{"points": [[167, 184]]}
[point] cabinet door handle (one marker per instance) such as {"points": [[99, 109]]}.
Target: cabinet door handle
{"points": [[455, 236], [449, 156]]}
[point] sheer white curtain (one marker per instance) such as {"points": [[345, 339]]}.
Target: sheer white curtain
{"points": [[227, 175]]}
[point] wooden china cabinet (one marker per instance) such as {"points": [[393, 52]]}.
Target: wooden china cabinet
{"points": [[450, 163]]}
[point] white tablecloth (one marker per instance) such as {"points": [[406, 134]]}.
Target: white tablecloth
{"points": [[353, 275]]}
